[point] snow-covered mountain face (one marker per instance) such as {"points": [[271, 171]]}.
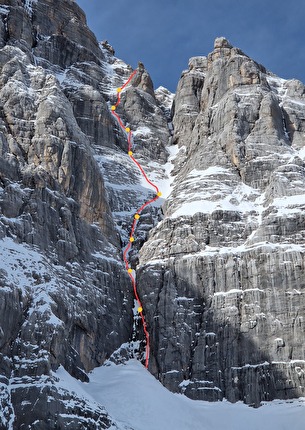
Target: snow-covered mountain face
{"points": [[223, 273], [67, 194], [221, 264]]}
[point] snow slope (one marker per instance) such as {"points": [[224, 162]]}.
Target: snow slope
{"points": [[135, 399]]}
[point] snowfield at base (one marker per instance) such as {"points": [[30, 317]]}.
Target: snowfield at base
{"points": [[136, 400]]}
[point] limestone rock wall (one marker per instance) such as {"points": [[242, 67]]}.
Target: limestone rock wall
{"points": [[223, 273], [65, 212], [65, 297]]}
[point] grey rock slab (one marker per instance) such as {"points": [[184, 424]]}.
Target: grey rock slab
{"points": [[222, 275]]}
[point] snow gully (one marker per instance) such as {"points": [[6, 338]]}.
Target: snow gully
{"points": [[137, 215]]}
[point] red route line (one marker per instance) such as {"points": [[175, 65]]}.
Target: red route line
{"points": [[136, 216]]}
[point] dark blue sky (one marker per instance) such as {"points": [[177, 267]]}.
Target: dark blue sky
{"points": [[164, 34]]}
